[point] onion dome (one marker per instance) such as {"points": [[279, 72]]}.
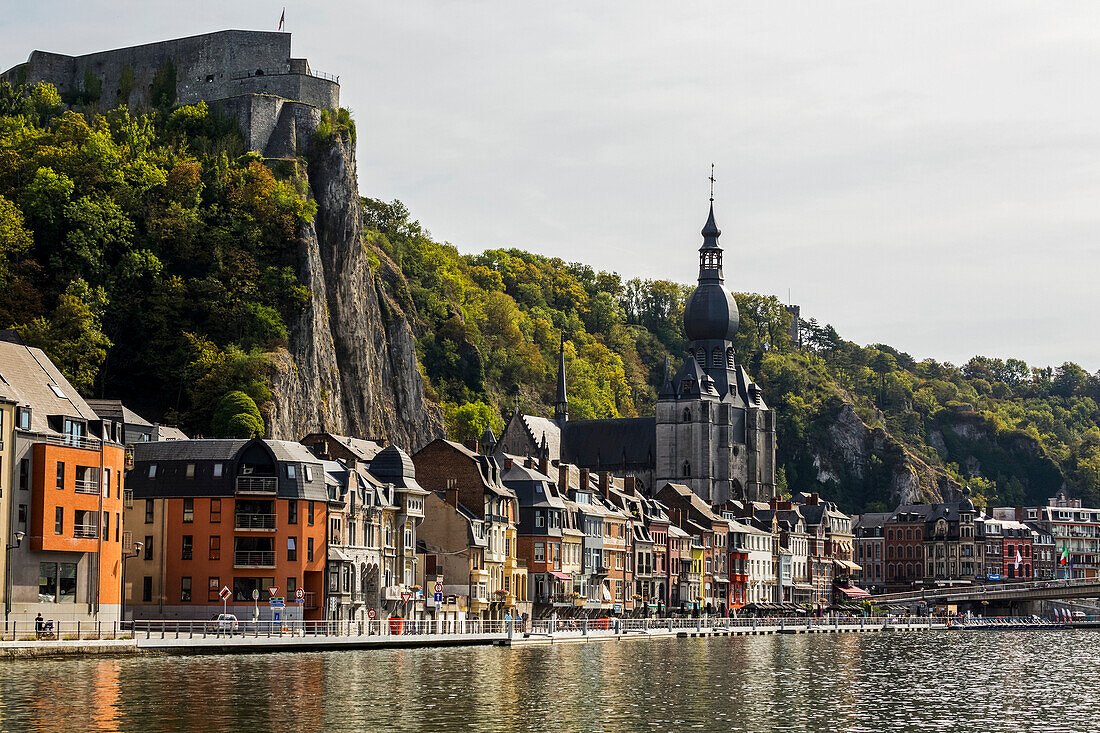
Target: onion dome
{"points": [[711, 312]]}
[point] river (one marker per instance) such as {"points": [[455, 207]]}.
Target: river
{"points": [[913, 681]]}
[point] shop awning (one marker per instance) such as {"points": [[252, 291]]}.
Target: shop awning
{"points": [[848, 565], [337, 554], [854, 592], [607, 594], [561, 576]]}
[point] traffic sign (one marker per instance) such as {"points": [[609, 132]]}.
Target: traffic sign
{"points": [[272, 590], [438, 597], [225, 593], [372, 614], [438, 587], [278, 602], [405, 597], [300, 595]]}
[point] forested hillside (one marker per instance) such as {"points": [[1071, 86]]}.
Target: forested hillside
{"points": [[157, 262]]}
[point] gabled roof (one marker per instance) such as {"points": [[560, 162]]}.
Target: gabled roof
{"points": [[115, 410], [26, 374], [610, 444], [543, 427]]}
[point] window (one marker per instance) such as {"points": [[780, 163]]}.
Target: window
{"points": [[290, 472], [218, 470], [24, 418], [148, 547], [188, 511], [152, 470], [291, 548], [23, 518], [190, 471], [215, 511], [292, 586], [185, 589], [309, 473], [213, 590], [309, 514], [540, 552], [59, 520], [57, 582], [60, 475], [188, 541], [215, 547], [292, 511], [118, 526], [57, 391], [24, 474], [540, 521], [309, 549], [148, 511], [107, 481], [147, 589], [47, 582]]}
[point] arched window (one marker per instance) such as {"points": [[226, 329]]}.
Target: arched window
{"points": [[701, 356], [890, 552], [687, 415], [687, 468], [908, 534], [909, 551]]}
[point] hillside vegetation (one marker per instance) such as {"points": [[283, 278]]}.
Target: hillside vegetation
{"points": [[155, 261]]}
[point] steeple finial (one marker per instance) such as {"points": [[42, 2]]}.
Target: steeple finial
{"points": [[561, 403], [712, 183]]}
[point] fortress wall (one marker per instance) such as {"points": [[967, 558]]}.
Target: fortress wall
{"points": [[309, 89]]}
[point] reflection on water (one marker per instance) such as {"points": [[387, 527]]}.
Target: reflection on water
{"points": [[982, 681]]}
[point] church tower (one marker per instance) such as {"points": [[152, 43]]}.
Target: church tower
{"points": [[714, 432], [561, 402]]}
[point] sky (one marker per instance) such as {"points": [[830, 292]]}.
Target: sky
{"points": [[924, 175]]}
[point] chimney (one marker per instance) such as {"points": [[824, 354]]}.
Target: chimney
{"points": [[507, 462], [605, 484], [544, 464], [813, 500], [630, 484], [352, 462], [775, 503], [584, 479], [452, 496], [563, 478], [528, 462], [471, 443]]}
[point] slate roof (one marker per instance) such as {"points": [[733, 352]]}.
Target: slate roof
{"points": [[610, 444], [115, 410], [537, 427], [25, 376], [394, 466]]}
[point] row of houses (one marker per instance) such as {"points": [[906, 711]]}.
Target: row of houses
{"points": [[958, 543]]}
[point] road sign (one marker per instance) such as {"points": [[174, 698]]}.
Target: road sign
{"points": [[275, 615], [372, 614], [438, 597], [255, 594], [438, 587], [300, 595], [272, 590], [406, 597], [225, 593], [277, 602]]}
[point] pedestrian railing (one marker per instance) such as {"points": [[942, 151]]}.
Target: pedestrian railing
{"points": [[62, 630]]}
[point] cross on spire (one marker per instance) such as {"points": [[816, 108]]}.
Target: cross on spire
{"points": [[712, 183]]}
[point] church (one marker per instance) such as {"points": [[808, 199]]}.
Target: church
{"points": [[712, 431]]}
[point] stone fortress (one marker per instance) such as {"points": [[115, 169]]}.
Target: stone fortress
{"points": [[249, 76]]}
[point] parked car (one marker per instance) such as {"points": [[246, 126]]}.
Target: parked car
{"points": [[226, 623]]}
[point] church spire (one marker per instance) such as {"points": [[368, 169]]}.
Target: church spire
{"points": [[710, 254], [561, 404]]}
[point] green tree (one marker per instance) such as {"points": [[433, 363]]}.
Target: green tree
{"points": [[237, 416], [72, 337], [469, 420]]}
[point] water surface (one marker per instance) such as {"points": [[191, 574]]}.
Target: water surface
{"points": [[912, 681]]}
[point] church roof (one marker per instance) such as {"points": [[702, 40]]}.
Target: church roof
{"points": [[537, 427], [611, 443]]}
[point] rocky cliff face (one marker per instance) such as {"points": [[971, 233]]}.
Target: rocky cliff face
{"points": [[874, 463], [350, 364]]}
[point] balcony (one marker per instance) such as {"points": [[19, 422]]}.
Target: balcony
{"points": [[257, 484], [687, 577], [86, 531], [86, 486], [255, 521], [253, 559]]}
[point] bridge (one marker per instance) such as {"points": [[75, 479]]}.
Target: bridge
{"points": [[1007, 593]]}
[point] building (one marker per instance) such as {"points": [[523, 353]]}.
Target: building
{"points": [[246, 515], [1074, 528], [472, 481], [704, 582], [712, 430], [135, 428], [870, 546], [61, 495], [539, 536], [249, 75]]}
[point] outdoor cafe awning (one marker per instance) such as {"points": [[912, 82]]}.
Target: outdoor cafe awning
{"points": [[561, 576], [848, 565], [854, 592]]}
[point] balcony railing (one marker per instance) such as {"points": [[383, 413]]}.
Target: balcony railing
{"points": [[257, 484], [254, 559], [689, 577], [87, 486], [255, 521], [86, 531]]}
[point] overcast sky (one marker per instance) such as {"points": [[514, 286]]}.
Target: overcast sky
{"points": [[919, 174]]}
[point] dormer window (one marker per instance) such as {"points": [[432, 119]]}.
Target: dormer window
{"points": [[290, 472], [687, 386], [23, 418]]}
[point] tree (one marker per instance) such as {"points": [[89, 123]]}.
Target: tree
{"points": [[73, 337], [468, 421], [15, 240], [237, 416]]}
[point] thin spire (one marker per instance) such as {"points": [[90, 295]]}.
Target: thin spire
{"points": [[561, 403], [711, 232], [712, 183]]}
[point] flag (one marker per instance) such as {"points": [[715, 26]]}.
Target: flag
{"points": [[1065, 555], [1018, 559], [282, 19]]}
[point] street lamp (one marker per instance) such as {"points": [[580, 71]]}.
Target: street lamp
{"points": [[7, 573], [125, 557]]}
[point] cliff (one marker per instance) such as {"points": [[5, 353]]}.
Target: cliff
{"points": [[350, 365]]}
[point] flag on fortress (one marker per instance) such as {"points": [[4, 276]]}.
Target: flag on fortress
{"points": [[282, 18]]}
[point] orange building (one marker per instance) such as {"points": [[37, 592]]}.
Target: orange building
{"points": [[62, 506], [246, 515]]}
